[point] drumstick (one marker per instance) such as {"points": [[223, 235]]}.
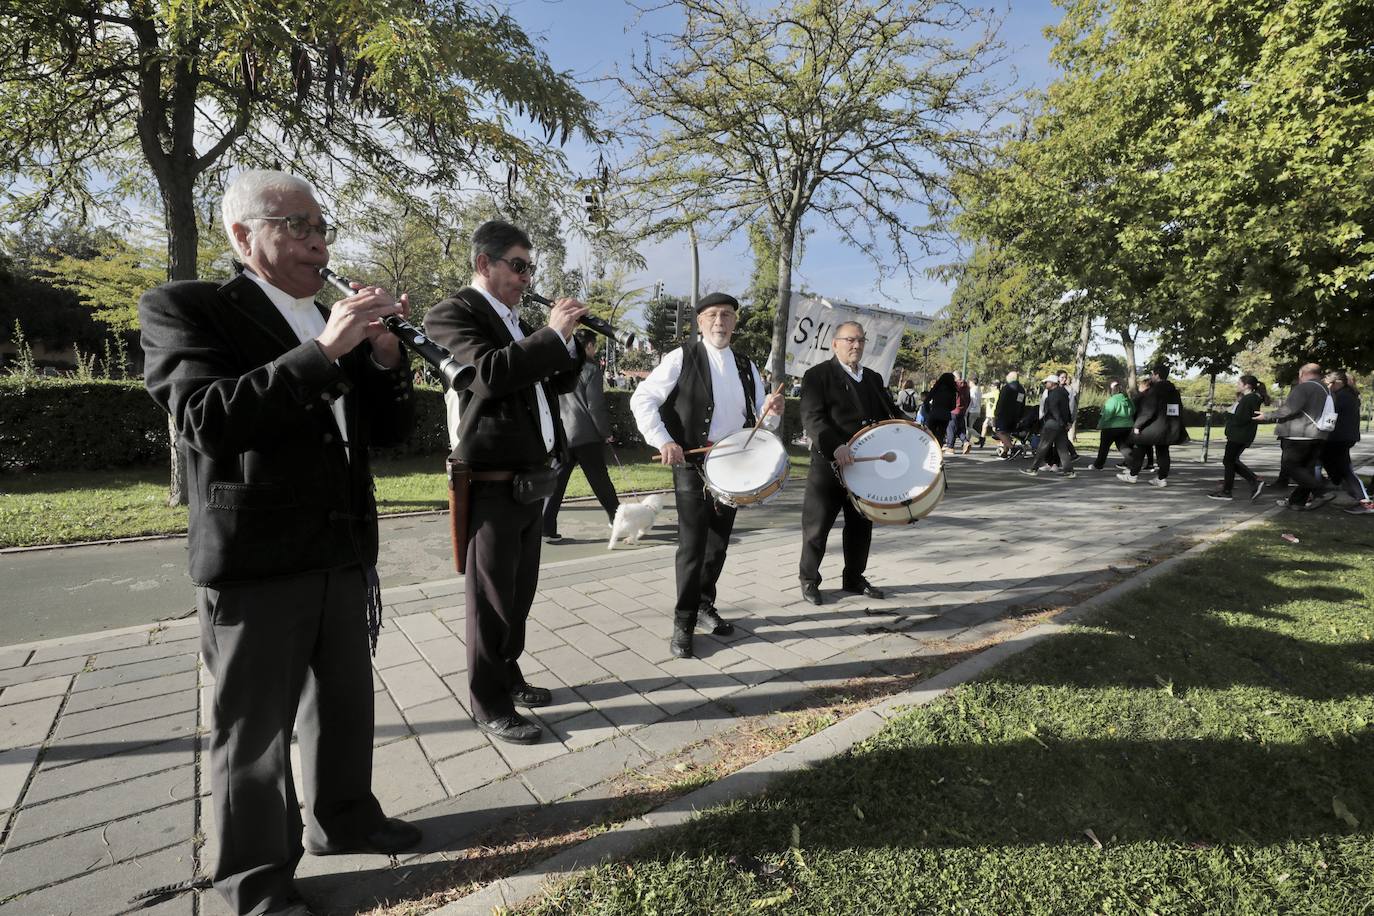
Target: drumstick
{"points": [[759, 422], [885, 456], [695, 451]]}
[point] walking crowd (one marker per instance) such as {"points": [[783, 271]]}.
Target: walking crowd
{"points": [[1316, 425]]}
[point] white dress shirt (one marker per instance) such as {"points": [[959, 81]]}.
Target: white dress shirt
{"points": [[728, 414], [305, 319], [856, 375]]}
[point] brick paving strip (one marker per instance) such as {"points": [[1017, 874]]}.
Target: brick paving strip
{"points": [[102, 789]]}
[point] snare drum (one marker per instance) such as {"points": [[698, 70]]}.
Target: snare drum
{"points": [[901, 491], [737, 475]]}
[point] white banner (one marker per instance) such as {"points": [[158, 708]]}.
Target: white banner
{"points": [[812, 327]]}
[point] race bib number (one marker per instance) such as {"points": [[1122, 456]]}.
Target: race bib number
{"points": [[1171, 410]]}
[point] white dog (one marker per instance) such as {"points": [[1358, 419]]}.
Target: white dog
{"points": [[632, 520]]}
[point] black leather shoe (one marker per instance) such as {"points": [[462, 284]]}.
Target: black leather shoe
{"points": [[862, 587], [530, 696], [514, 728], [681, 643], [812, 592], [711, 618], [391, 837]]}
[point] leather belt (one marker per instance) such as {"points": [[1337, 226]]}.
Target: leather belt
{"points": [[493, 475]]}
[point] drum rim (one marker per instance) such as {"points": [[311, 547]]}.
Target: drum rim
{"points": [[910, 519], [939, 450], [753, 495]]}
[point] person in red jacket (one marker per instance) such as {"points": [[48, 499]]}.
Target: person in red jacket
{"points": [[958, 428]]}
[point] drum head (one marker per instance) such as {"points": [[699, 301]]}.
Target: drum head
{"points": [[733, 469], [916, 466]]}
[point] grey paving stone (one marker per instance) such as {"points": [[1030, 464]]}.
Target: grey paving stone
{"points": [[677, 699], [394, 649], [143, 671], [605, 619], [388, 725], [144, 653], [413, 684], [408, 781], [629, 668], [566, 701], [444, 728], [28, 673], [49, 783], [13, 658], [82, 647], [155, 707], [589, 767], [106, 892], [583, 731], [553, 616], [109, 844], [39, 822], [442, 588], [65, 751], [521, 756], [590, 641], [27, 723], [571, 666], [678, 732], [468, 771], [123, 693], [539, 638], [446, 654], [35, 690], [646, 645], [449, 822], [421, 627], [620, 703], [15, 766]]}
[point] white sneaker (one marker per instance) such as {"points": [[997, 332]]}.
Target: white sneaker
{"points": [[1156, 482], [1127, 477]]}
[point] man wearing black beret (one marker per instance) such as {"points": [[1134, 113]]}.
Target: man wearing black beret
{"points": [[699, 394]]}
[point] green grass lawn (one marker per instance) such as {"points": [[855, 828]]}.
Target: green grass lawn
{"points": [[70, 506], [1200, 746]]}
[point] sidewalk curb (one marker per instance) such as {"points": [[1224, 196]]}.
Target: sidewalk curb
{"points": [[623, 840]]}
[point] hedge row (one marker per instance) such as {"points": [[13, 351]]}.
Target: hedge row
{"points": [[60, 424]]}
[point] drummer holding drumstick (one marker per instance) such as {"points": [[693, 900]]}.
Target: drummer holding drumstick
{"points": [[699, 394], [839, 397]]}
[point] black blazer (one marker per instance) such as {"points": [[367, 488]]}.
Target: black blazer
{"points": [[499, 414], [272, 492], [834, 407]]}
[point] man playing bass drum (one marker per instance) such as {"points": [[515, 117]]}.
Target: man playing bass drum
{"points": [[839, 397]]}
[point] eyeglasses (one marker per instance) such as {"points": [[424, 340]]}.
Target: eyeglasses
{"points": [[853, 340], [521, 267], [299, 227]]}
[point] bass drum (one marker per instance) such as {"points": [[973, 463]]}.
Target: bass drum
{"points": [[739, 475], [900, 491]]}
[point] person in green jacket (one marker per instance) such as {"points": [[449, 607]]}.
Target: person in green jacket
{"points": [[1114, 425], [1240, 432]]}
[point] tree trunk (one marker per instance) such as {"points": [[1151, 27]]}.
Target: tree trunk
{"points": [[1080, 362], [777, 364], [183, 242], [1128, 344]]}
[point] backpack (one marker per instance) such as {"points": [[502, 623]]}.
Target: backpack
{"points": [[1327, 421], [908, 403]]}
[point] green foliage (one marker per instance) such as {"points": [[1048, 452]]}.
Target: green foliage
{"points": [[851, 113], [111, 281], [660, 318], [24, 367]]}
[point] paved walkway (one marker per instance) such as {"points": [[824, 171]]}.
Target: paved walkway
{"points": [[102, 788]]}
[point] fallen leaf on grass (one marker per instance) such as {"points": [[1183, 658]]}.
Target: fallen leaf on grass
{"points": [[764, 903], [1289, 538], [1092, 836], [858, 812], [1344, 813], [756, 867]]}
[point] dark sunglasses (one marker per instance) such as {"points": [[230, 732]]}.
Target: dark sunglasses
{"points": [[521, 267]]}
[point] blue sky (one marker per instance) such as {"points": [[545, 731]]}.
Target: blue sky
{"points": [[589, 38]]}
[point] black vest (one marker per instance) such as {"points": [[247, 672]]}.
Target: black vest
{"points": [[687, 410], [871, 401]]}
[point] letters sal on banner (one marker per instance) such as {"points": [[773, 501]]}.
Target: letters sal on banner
{"points": [[812, 327]]}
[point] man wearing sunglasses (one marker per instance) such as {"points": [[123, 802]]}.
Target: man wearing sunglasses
{"points": [[277, 399], [839, 397], [505, 426], [700, 393]]}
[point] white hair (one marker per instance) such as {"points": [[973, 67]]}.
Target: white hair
{"points": [[247, 195]]}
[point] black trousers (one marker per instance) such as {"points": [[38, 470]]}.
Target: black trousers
{"points": [[1111, 437], [1298, 462], [592, 458], [1054, 436], [502, 576], [1335, 458], [1232, 465], [1139, 453], [825, 498], [284, 652], [703, 537]]}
